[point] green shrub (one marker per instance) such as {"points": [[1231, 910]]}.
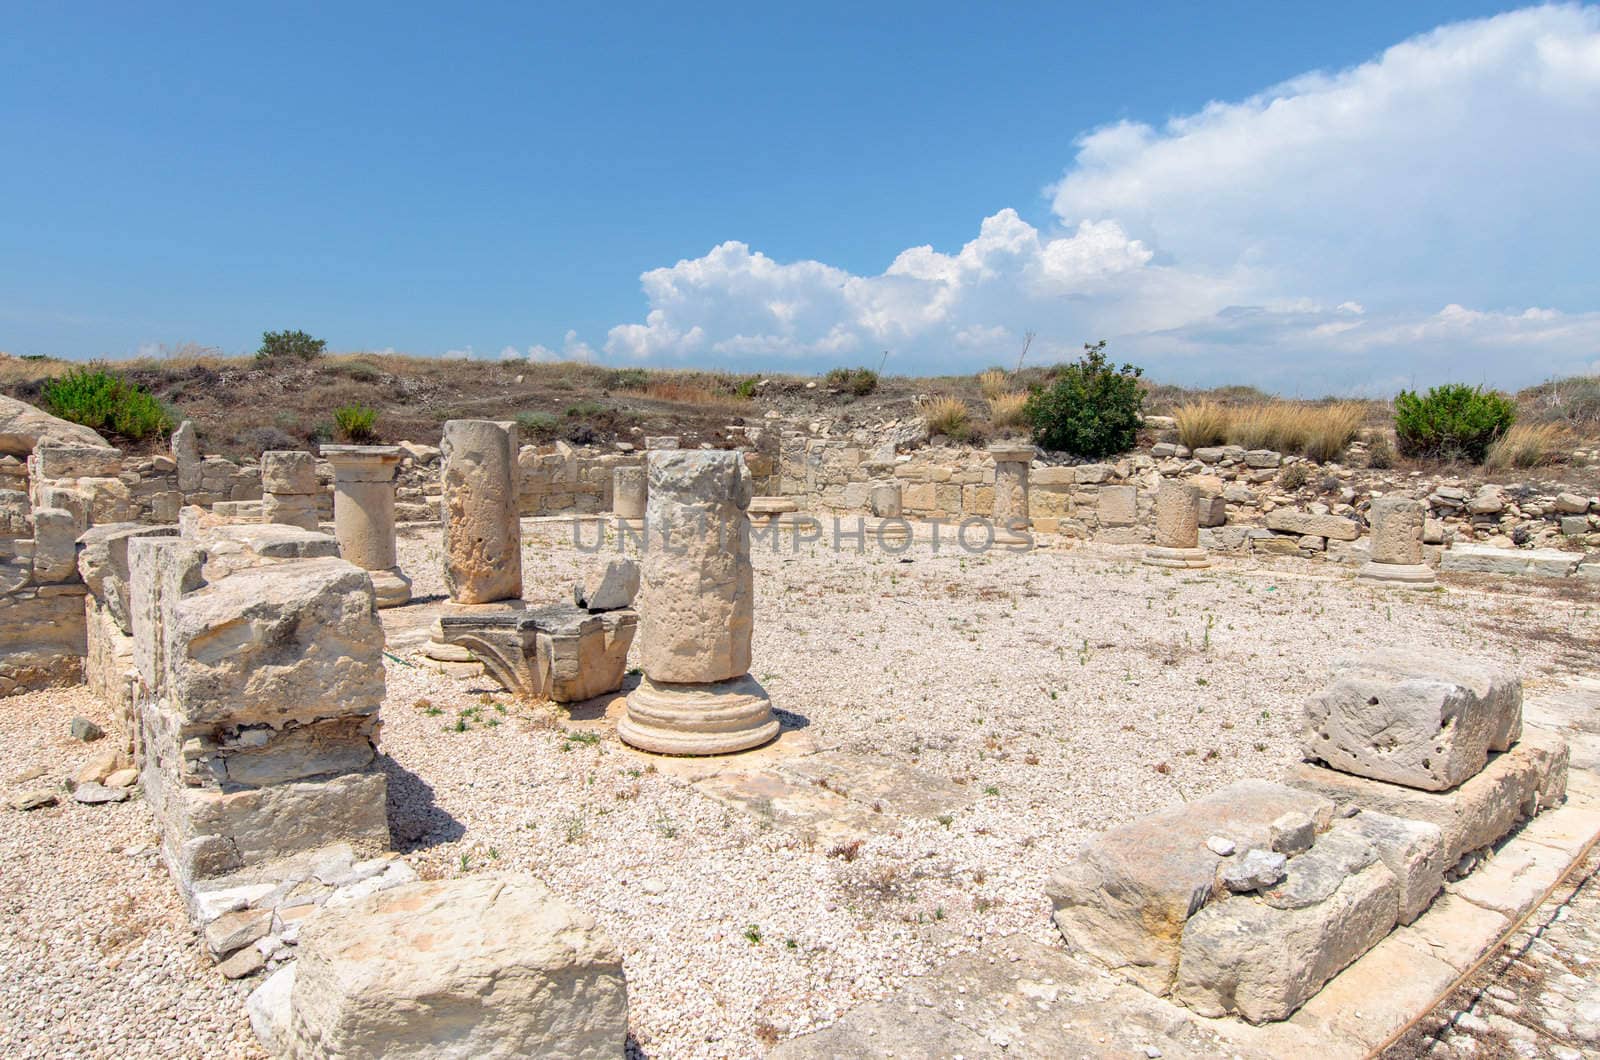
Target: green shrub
{"points": [[280, 346], [102, 401], [360, 371], [1454, 421], [1090, 408], [356, 422], [747, 387], [627, 379], [858, 381], [537, 422], [586, 409]]}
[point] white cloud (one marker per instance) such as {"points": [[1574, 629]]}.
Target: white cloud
{"points": [[1306, 237], [572, 349]]}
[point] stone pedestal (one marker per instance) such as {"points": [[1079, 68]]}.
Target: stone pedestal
{"points": [[289, 488], [1010, 514], [1177, 537], [454, 659], [696, 612], [1395, 545], [628, 495], [363, 515]]}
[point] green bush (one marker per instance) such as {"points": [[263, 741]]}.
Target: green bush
{"points": [[537, 422], [627, 379], [1452, 422], [280, 346], [858, 381], [102, 401], [356, 422], [1090, 408], [746, 387], [585, 409]]}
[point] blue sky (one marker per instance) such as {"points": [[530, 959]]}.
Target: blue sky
{"points": [[1309, 197]]}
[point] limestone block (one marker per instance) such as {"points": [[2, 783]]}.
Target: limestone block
{"points": [[55, 545], [1423, 719], [186, 455], [55, 460], [276, 643], [1177, 514], [1288, 520], [23, 428], [1479, 813], [484, 966], [1397, 530], [482, 533], [108, 664], [291, 471], [1486, 559], [43, 639], [628, 496], [884, 500], [1211, 510], [1413, 850], [1118, 506], [1124, 899], [15, 512], [697, 603], [1246, 956], [608, 588], [103, 564]]}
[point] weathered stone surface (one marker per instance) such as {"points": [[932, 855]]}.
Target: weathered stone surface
{"points": [[482, 533], [32, 799], [290, 509], [883, 499], [1010, 508], [55, 544], [1118, 506], [1256, 870], [560, 653], [85, 730], [1293, 833], [1396, 530], [1413, 850], [186, 455], [54, 460], [698, 719], [1312, 877], [697, 601], [1424, 719], [1485, 559], [23, 427], [1244, 956], [1337, 527], [269, 1010], [43, 639], [608, 588], [485, 966], [1478, 813], [1124, 899], [103, 564], [276, 643], [628, 493], [291, 471]]}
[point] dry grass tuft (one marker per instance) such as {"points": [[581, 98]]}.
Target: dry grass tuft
{"points": [[1201, 423], [1331, 428], [948, 416], [1527, 445], [993, 382], [686, 392], [1005, 409]]}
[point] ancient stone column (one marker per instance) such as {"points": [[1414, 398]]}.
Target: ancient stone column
{"points": [[1395, 545], [479, 477], [1010, 514], [1177, 541], [482, 532], [289, 488], [696, 612], [628, 493], [363, 515]]}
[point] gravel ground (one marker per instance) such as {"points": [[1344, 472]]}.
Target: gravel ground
{"points": [[1073, 689]]}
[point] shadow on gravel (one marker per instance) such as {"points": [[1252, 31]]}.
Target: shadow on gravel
{"points": [[415, 821]]}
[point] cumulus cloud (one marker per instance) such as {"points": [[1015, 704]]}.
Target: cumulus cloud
{"points": [[1424, 215]]}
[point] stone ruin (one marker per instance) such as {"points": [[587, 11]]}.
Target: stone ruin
{"points": [[1246, 901], [697, 613]]}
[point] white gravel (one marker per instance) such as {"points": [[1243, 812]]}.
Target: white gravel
{"points": [[1071, 689]]}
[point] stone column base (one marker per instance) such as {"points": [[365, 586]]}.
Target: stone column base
{"points": [[391, 587], [1188, 558], [1407, 575], [459, 661], [1009, 541], [698, 719]]}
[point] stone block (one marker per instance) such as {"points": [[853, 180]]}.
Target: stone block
{"points": [[1290, 521], [1423, 719], [608, 588], [55, 545], [1125, 897], [1529, 562], [1413, 850], [289, 471], [1480, 812], [1118, 506], [103, 564], [477, 967], [77, 461]]}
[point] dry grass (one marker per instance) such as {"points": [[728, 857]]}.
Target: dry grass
{"points": [[1005, 409], [1527, 445], [948, 416], [688, 392], [994, 383], [1331, 428], [1201, 423]]}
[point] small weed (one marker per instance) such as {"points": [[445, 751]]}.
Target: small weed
{"points": [[752, 934]]}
